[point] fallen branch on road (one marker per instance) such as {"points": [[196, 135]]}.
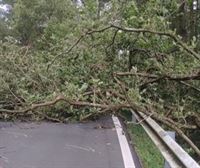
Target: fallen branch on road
{"points": [[75, 104]]}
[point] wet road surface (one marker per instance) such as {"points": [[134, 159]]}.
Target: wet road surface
{"points": [[50, 145]]}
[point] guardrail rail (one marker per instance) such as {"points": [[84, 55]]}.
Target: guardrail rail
{"points": [[171, 151]]}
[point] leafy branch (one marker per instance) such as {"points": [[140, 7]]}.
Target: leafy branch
{"points": [[130, 30]]}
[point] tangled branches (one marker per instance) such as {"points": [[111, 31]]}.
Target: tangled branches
{"points": [[108, 107], [91, 90], [127, 30]]}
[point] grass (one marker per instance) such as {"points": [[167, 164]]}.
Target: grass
{"points": [[145, 148], [148, 153]]}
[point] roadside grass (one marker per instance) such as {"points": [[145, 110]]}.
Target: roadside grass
{"points": [[148, 153]]}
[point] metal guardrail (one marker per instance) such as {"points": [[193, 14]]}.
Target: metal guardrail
{"points": [[171, 151]]}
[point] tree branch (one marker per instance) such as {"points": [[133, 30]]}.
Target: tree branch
{"points": [[172, 36], [157, 117], [76, 43], [70, 102], [163, 76]]}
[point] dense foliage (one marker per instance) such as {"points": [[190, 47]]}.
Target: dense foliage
{"points": [[61, 47]]}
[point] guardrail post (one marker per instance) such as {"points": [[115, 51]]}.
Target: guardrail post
{"points": [[134, 118], [172, 135]]}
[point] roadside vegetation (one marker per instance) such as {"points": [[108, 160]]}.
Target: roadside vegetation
{"points": [[64, 60], [149, 154]]}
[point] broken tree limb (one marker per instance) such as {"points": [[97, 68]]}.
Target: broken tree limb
{"points": [[125, 29], [172, 36], [156, 78], [157, 117], [163, 76], [70, 102]]}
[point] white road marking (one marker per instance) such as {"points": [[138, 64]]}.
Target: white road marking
{"points": [[89, 149], [125, 149]]}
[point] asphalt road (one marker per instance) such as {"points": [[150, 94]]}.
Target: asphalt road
{"points": [[99, 144]]}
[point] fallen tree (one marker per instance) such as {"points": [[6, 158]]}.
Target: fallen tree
{"points": [[108, 108], [99, 85]]}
